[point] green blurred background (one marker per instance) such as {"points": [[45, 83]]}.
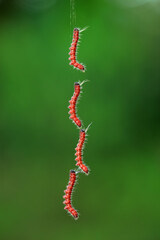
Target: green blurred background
{"points": [[120, 199]]}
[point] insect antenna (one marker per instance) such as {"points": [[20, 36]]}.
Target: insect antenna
{"points": [[88, 127], [83, 29], [81, 83]]}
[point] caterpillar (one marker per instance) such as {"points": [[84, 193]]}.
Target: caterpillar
{"points": [[79, 150], [73, 102], [73, 50], [68, 193]]}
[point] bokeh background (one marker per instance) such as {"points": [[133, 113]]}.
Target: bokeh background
{"points": [[120, 199]]}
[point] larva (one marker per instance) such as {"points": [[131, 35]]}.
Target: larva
{"points": [[73, 50], [79, 150], [73, 102], [68, 193]]}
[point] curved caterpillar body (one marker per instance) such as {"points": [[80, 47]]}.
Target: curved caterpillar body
{"points": [[73, 50], [73, 102], [68, 193], [72, 106], [79, 150]]}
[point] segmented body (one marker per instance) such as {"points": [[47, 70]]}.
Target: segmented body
{"points": [[79, 152], [73, 51], [73, 102], [68, 193]]}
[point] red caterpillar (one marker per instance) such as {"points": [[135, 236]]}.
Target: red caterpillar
{"points": [[68, 193], [79, 150], [73, 50], [73, 101]]}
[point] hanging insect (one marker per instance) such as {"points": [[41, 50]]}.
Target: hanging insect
{"points": [[73, 50], [79, 151], [68, 194], [73, 103]]}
